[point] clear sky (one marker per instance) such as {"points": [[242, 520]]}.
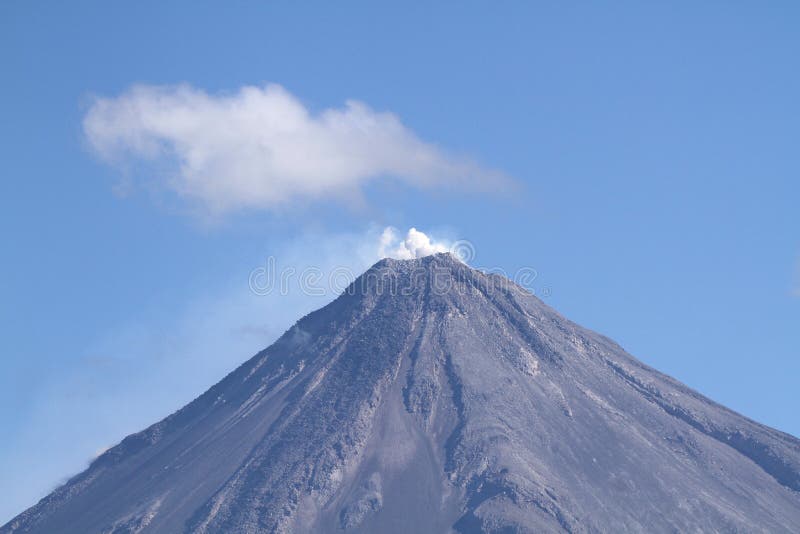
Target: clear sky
{"points": [[643, 158]]}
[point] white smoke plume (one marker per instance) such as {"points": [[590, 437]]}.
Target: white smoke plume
{"points": [[415, 244]]}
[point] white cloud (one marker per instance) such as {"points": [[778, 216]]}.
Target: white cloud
{"points": [[415, 244], [262, 148]]}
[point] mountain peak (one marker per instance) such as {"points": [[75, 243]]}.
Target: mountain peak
{"points": [[437, 273], [431, 397], [439, 259]]}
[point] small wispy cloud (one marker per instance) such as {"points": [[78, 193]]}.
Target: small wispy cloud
{"points": [[261, 147], [796, 282]]}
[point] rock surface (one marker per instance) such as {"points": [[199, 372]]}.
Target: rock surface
{"points": [[431, 397]]}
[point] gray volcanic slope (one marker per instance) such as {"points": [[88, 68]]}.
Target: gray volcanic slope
{"points": [[431, 397]]}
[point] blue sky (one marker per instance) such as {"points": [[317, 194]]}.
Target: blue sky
{"points": [[642, 158]]}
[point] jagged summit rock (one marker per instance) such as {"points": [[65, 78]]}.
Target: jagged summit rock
{"points": [[430, 397]]}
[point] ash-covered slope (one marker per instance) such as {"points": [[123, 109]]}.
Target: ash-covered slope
{"points": [[433, 398]]}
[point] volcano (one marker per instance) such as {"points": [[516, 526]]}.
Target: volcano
{"points": [[433, 398]]}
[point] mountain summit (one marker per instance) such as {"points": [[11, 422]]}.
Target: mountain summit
{"points": [[430, 397]]}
